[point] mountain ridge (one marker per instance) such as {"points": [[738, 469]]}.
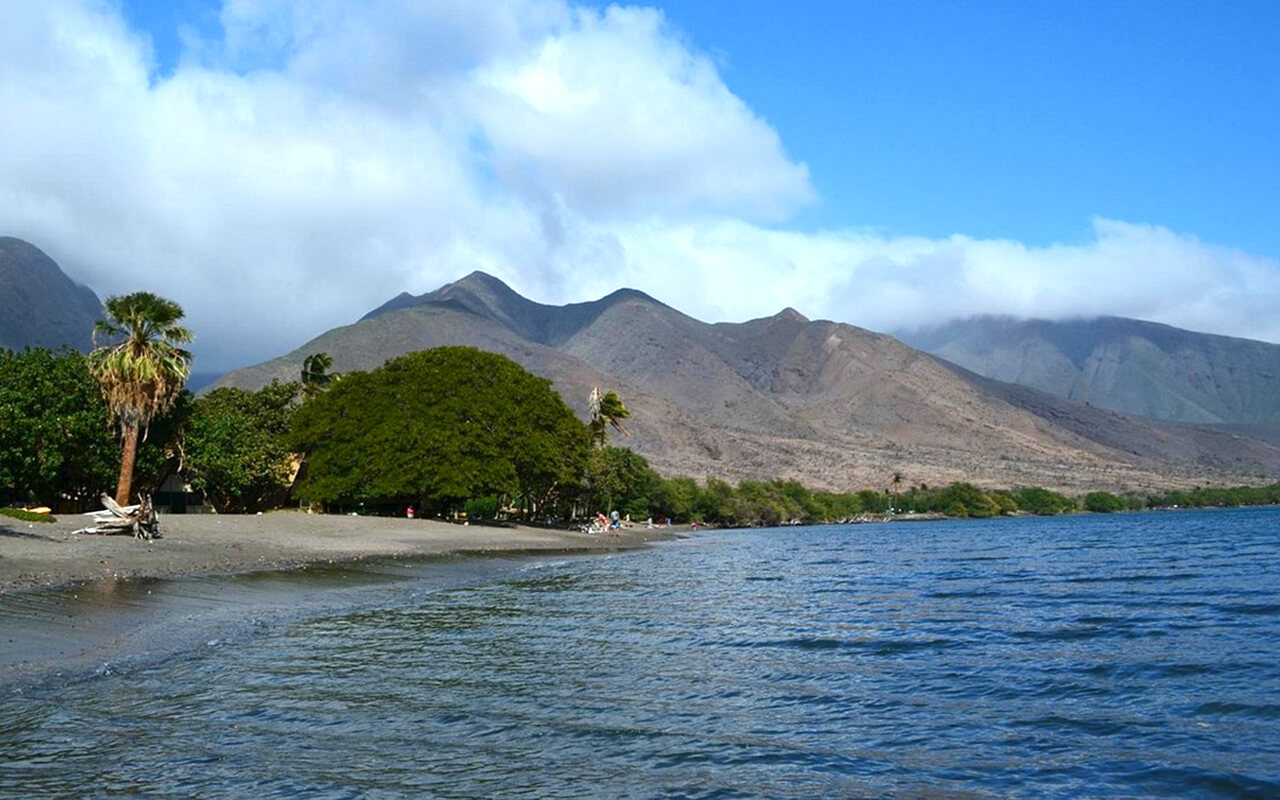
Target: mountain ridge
{"points": [[1132, 366], [483, 294], [828, 403], [40, 306]]}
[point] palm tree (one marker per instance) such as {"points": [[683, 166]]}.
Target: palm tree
{"points": [[315, 374], [142, 374], [607, 411]]}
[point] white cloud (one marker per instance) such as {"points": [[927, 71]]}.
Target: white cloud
{"points": [[621, 117], [322, 156], [897, 283]]}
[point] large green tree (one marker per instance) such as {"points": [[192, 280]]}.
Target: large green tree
{"points": [[142, 369], [55, 438], [436, 428], [235, 447], [1038, 500], [619, 480]]}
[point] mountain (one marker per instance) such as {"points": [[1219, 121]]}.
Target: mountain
{"points": [[39, 305], [826, 403], [1126, 365]]}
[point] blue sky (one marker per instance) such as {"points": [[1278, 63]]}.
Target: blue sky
{"points": [[1019, 120], [886, 164]]}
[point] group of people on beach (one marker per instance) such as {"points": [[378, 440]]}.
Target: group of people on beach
{"points": [[612, 522], [615, 522]]}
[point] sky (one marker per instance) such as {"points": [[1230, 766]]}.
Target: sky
{"points": [[280, 167]]}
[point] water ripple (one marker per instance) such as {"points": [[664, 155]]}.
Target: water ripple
{"points": [[1087, 656]]}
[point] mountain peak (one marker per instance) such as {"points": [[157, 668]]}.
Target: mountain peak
{"points": [[1136, 367], [40, 305], [484, 295], [832, 404], [623, 295], [478, 279]]}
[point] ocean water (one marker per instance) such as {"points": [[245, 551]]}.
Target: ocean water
{"points": [[1091, 656]]}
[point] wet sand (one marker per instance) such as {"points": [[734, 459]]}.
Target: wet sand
{"points": [[82, 604], [34, 555]]}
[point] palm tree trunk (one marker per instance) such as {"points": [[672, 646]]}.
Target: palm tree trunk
{"points": [[124, 486]]}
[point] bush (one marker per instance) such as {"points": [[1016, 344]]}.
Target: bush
{"points": [[1038, 500], [1103, 502], [483, 507], [966, 500]]}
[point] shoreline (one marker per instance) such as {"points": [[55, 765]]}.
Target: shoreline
{"points": [[41, 555], [37, 556]]}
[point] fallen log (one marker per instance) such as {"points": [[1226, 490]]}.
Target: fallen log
{"points": [[140, 519]]}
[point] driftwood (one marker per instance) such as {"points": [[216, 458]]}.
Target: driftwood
{"points": [[140, 519]]}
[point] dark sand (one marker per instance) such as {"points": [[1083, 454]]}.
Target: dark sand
{"points": [[36, 555], [81, 604]]}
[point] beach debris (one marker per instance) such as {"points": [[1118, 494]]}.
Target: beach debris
{"points": [[140, 519]]}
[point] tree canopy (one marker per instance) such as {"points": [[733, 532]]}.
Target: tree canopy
{"points": [[436, 428], [55, 438], [1103, 502], [143, 372], [56, 441], [235, 447]]}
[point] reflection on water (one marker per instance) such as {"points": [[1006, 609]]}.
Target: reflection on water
{"points": [[1124, 656], [68, 628]]}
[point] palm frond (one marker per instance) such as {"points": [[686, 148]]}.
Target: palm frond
{"points": [[142, 373]]}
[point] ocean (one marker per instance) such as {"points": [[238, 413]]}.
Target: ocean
{"points": [[1127, 655]]}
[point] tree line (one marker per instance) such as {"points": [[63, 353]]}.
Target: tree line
{"points": [[443, 430]]}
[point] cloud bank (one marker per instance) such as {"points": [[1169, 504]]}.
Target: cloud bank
{"points": [[318, 157]]}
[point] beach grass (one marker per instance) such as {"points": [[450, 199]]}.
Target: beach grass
{"points": [[26, 516]]}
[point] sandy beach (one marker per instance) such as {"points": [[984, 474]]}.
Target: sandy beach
{"points": [[36, 555]]}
